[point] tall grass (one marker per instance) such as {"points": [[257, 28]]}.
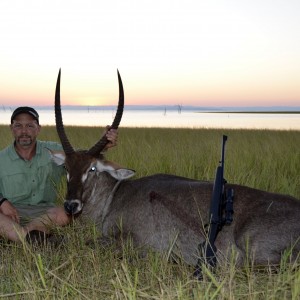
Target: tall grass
{"points": [[268, 160]]}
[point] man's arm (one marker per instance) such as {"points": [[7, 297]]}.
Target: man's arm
{"points": [[2, 199], [7, 209]]}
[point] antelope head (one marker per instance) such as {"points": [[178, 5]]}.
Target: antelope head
{"points": [[84, 166]]}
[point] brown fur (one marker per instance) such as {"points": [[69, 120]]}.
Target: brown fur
{"points": [[160, 209]]}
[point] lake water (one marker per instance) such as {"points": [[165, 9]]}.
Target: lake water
{"points": [[172, 119]]}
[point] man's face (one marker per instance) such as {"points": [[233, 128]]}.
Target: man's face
{"points": [[25, 129]]}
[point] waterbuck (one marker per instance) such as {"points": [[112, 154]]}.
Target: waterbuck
{"points": [[168, 213]]}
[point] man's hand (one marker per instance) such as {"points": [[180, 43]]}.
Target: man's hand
{"points": [[112, 136], [10, 211]]}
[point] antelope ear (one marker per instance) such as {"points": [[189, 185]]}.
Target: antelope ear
{"points": [[57, 156], [121, 174]]}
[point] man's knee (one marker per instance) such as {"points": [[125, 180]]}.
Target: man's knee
{"points": [[10, 229]]}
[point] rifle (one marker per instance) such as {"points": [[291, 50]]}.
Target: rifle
{"points": [[220, 214]]}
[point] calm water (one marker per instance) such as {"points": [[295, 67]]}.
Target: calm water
{"points": [[172, 119]]}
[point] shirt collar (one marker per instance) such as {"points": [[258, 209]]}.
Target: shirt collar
{"points": [[14, 155]]}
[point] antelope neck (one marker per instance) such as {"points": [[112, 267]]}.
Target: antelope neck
{"points": [[108, 201]]}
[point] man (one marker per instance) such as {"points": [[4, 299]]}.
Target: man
{"points": [[28, 180]]}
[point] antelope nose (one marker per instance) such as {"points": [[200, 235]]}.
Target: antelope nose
{"points": [[71, 207]]}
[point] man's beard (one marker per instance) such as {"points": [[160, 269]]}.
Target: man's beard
{"points": [[24, 140]]}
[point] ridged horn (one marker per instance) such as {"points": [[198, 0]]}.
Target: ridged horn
{"points": [[100, 145], [58, 120]]}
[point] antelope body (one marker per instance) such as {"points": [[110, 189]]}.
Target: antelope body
{"points": [[166, 212]]}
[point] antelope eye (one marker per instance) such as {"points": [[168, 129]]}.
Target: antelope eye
{"points": [[92, 169]]}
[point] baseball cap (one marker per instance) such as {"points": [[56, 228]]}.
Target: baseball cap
{"points": [[25, 110]]}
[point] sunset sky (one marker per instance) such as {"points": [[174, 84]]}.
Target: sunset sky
{"points": [[191, 52]]}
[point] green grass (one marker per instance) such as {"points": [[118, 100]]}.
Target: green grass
{"points": [[268, 160]]}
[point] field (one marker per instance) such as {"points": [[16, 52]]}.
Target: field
{"points": [[267, 160]]}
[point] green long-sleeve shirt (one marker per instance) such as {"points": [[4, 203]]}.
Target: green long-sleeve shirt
{"points": [[31, 182]]}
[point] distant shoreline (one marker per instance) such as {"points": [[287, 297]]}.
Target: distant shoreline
{"points": [[173, 108], [252, 112]]}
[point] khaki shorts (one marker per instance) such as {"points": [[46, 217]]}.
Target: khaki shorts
{"points": [[29, 212]]}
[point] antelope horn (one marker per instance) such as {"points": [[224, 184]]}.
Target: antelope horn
{"points": [[58, 120], [100, 145]]}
